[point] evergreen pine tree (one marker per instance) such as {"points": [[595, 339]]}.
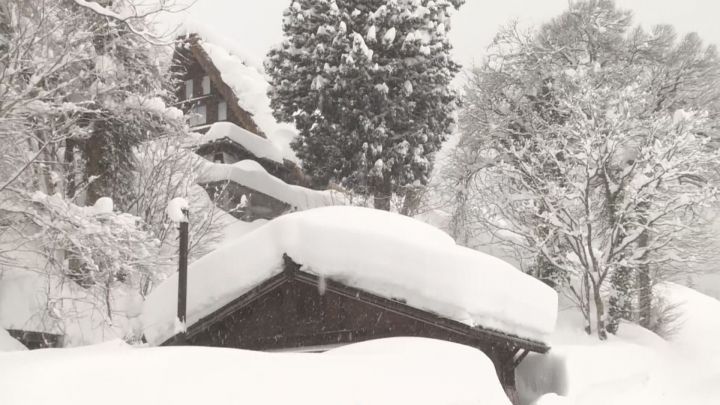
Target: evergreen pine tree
{"points": [[367, 85]]}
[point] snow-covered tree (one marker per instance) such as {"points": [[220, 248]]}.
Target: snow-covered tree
{"points": [[83, 115], [588, 146], [367, 85]]}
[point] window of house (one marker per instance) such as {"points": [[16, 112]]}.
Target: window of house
{"points": [[188, 89], [206, 85], [219, 158], [222, 111], [198, 115]]}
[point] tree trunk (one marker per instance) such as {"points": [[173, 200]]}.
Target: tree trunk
{"points": [[600, 313], [645, 296], [585, 301], [644, 283], [70, 186], [413, 196], [93, 151], [382, 195], [620, 303]]}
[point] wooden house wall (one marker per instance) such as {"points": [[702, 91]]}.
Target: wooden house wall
{"points": [[186, 67], [297, 315]]}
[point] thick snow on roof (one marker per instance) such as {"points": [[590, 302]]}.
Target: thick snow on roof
{"points": [[386, 254], [423, 372], [244, 75], [251, 174], [258, 146]]}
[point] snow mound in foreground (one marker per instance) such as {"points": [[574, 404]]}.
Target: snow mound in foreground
{"points": [[424, 372], [386, 254]]}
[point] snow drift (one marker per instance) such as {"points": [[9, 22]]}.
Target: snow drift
{"points": [[423, 372], [635, 366]]}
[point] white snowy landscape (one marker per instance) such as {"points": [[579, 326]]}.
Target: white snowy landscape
{"points": [[359, 202]]}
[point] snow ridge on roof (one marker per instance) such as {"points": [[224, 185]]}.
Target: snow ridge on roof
{"points": [[385, 254], [251, 174], [258, 146]]}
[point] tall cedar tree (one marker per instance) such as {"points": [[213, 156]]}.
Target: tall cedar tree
{"points": [[367, 85]]}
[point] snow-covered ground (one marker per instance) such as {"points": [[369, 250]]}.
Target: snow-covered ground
{"points": [[390, 371], [634, 367]]}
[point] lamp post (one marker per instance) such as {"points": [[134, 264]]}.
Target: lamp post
{"points": [[182, 278]]}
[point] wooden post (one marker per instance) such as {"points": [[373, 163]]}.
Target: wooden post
{"points": [[182, 277]]}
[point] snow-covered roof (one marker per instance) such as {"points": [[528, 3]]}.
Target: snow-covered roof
{"points": [[244, 76], [385, 254], [251, 174], [388, 371], [258, 146]]}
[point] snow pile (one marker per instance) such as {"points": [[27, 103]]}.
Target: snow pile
{"points": [[634, 367], [251, 174], [386, 254], [104, 205], [700, 329], [422, 372], [37, 302], [258, 146], [8, 343]]}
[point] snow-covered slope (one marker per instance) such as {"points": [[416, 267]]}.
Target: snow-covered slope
{"points": [[423, 372], [410, 260], [634, 367]]}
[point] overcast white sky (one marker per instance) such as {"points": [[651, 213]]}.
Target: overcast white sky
{"points": [[256, 24]]}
